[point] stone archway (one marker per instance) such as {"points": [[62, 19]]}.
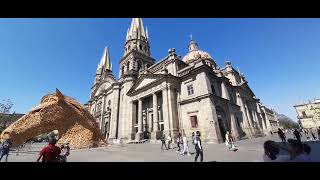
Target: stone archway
{"points": [[222, 118]]}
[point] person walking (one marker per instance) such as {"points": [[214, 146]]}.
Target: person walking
{"points": [[163, 141], [227, 139], [282, 136], [312, 134], [307, 134], [51, 153], [198, 147], [231, 142], [185, 145], [5, 147], [169, 141], [179, 142], [65, 151], [297, 135]]}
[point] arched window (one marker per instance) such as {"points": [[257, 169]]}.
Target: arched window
{"points": [[139, 65], [129, 48], [140, 47], [128, 65], [122, 71]]}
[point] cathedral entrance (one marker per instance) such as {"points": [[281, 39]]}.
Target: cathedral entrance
{"points": [[222, 122]]}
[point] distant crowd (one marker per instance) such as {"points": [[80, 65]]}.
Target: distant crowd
{"points": [[288, 150]]}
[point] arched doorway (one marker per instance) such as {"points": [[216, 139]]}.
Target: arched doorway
{"points": [[222, 121]]}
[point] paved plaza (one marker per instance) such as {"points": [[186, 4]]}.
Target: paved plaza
{"points": [[250, 150]]}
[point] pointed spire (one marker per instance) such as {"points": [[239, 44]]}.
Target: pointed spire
{"points": [[147, 33], [127, 34], [136, 29], [105, 59]]}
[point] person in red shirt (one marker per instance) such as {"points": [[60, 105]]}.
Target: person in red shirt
{"points": [[51, 153]]}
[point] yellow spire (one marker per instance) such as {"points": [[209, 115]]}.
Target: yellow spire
{"points": [[106, 59]]}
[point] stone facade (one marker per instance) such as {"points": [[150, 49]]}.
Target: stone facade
{"points": [[175, 95], [307, 114]]}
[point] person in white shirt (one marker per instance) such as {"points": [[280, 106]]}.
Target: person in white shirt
{"points": [[185, 145]]}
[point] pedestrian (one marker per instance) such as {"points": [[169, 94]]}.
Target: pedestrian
{"points": [[297, 135], [185, 145], [5, 147], [65, 151], [169, 141], [271, 152], [281, 135], [51, 153], [179, 142], [318, 130], [296, 151], [226, 136], [198, 147], [307, 134], [192, 138], [231, 142], [163, 141], [312, 134]]}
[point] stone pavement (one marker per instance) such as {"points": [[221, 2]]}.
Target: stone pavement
{"points": [[250, 150]]}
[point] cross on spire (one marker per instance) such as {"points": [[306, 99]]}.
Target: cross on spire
{"points": [[190, 37]]}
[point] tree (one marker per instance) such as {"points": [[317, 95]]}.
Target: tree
{"points": [[5, 107], [286, 122]]}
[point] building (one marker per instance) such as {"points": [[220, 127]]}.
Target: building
{"points": [[308, 114], [173, 95], [270, 116]]}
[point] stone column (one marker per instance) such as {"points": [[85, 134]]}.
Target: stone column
{"points": [[155, 135], [173, 113], [139, 134], [269, 128], [234, 127], [249, 117], [224, 91], [114, 114], [244, 116], [165, 111], [102, 112]]}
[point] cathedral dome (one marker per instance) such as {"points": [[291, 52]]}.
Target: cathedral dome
{"points": [[194, 53]]}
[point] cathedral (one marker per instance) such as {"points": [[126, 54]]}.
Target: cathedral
{"points": [[173, 95]]}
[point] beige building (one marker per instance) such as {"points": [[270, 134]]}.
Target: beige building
{"points": [[307, 114], [173, 95]]}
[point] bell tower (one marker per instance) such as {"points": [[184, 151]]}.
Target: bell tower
{"points": [[137, 56]]}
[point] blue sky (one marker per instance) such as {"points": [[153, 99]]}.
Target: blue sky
{"points": [[279, 57]]}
